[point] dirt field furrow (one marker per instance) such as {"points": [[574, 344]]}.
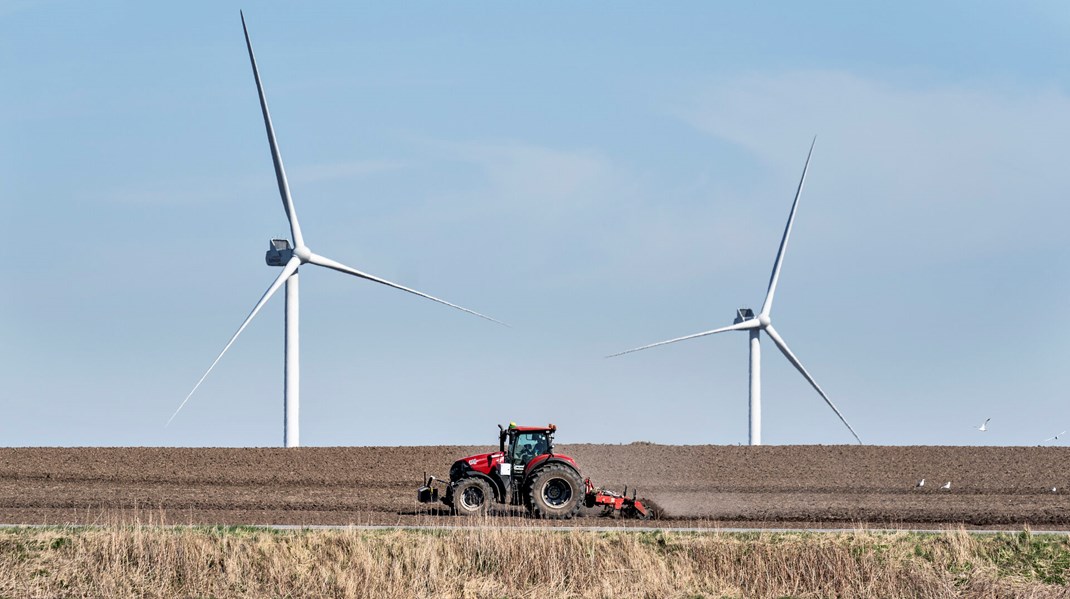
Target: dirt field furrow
{"points": [[704, 485]]}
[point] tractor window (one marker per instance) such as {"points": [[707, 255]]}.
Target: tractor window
{"points": [[527, 446]]}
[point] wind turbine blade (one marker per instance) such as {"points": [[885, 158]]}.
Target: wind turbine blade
{"points": [[798, 365], [289, 269], [767, 306], [742, 326], [276, 157], [328, 263]]}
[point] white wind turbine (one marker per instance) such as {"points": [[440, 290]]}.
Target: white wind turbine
{"points": [[290, 258], [754, 325]]}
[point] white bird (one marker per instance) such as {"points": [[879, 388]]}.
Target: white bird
{"points": [[947, 485], [984, 425], [1055, 438], [921, 483], [1054, 489]]}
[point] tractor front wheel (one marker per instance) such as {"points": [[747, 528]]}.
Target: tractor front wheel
{"points": [[554, 492], [471, 497]]}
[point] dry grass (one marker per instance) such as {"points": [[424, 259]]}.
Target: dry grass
{"points": [[164, 562]]}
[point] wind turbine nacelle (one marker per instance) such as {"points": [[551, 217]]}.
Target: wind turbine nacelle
{"points": [[743, 315], [280, 252]]}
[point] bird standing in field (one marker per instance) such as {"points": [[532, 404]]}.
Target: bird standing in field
{"points": [[921, 483], [947, 485], [984, 425]]}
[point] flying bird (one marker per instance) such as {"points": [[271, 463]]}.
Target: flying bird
{"points": [[947, 485], [984, 425], [1055, 438], [921, 483]]}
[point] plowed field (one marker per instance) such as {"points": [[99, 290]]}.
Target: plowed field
{"points": [[696, 485]]}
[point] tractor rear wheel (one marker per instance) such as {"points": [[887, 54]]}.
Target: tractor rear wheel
{"points": [[471, 496], [554, 492]]}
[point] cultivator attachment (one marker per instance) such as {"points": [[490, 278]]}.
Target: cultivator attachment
{"points": [[613, 503]]}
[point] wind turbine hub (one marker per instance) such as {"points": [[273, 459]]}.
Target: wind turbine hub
{"points": [[764, 320], [303, 253]]}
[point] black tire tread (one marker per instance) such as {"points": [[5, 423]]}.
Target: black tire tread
{"points": [[553, 471], [458, 487]]}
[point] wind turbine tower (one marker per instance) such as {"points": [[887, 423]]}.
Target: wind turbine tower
{"points": [[754, 325], [291, 257]]}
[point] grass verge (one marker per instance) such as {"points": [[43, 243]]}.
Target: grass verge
{"points": [[172, 562]]}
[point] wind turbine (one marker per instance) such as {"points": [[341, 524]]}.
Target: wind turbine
{"points": [[291, 257], [754, 325]]}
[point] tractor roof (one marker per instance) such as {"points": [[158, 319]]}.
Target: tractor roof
{"points": [[533, 429]]}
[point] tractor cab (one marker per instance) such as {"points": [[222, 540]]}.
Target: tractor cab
{"points": [[521, 444]]}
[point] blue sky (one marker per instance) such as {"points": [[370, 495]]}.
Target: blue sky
{"points": [[600, 177]]}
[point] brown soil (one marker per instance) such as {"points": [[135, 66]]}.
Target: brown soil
{"points": [[695, 485]]}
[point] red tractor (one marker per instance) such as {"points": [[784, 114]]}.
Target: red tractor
{"points": [[525, 471]]}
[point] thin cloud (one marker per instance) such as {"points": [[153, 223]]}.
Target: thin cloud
{"points": [[574, 214], [353, 169], [960, 170], [212, 190], [189, 191], [540, 181]]}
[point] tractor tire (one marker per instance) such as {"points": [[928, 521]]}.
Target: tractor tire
{"points": [[471, 496], [555, 492]]}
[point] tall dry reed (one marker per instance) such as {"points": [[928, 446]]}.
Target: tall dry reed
{"points": [[163, 562]]}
